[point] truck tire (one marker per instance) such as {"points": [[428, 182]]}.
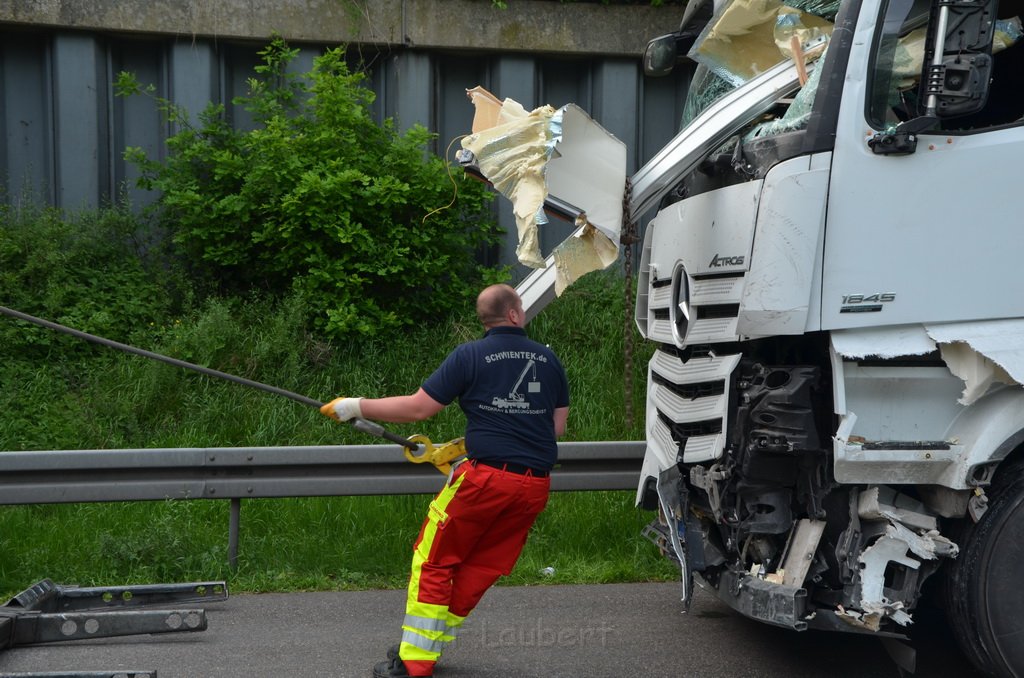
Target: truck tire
{"points": [[984, 586]]}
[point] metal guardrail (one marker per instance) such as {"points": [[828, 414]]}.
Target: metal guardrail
{"points": [[236, 473], [64, 476]]}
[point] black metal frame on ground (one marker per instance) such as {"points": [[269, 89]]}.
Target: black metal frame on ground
{"points": [[47, 612]]}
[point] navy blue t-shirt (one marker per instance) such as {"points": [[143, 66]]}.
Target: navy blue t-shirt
{"points": [[509, 387]]}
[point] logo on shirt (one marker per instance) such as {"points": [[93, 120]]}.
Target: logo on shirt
{"points": [[516, 400], [515, 355]]}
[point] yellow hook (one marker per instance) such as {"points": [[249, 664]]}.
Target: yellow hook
{"points": [[441, 456]]}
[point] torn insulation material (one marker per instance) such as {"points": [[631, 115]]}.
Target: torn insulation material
{"points": [[575, 257], [748, 37], [512, 154], [811, 31], [861, 620], [739, 42], [547, 156]]}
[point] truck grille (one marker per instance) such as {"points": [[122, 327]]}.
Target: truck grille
{"points": [[712, 306], [687, 405]]}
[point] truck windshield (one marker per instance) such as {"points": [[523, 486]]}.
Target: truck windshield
{"points": [[747, 37]]}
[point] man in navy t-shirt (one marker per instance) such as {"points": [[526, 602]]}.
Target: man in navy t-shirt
{"points": [[515, 395]]}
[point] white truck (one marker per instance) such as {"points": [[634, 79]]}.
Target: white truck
{"points": [[834, 408]]}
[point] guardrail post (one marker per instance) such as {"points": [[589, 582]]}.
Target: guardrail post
{"points": [[233, 524]]}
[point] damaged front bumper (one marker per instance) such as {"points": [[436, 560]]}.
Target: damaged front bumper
{"points": [[886, 552]]}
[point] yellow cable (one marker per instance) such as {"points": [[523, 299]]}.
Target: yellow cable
{"points": [[448, 166]]}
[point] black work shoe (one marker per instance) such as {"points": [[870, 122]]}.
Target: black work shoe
{"points": [[393, 652], [392, 668]]}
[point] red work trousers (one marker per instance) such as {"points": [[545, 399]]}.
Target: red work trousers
{"points": [[474, 532]]}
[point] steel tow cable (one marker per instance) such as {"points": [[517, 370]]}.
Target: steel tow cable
{"points": [[363, 425]]}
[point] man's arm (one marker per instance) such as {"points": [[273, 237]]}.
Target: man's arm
{"points": [[401, 409], [561, 416], [395, 409]]}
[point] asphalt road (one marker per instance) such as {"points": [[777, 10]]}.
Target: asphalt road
{"points": [[608, 631]]}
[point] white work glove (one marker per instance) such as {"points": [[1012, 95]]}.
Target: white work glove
{"points": [[343, 409]]}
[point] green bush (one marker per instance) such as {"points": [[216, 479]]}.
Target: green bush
{"points": [[321, 199], [93, 271]]}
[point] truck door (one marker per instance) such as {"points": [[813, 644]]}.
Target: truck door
{"points": [[928, 235]]}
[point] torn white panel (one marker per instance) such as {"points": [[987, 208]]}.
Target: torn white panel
{"points": [[892, 547], [874, 561], [882, 342], [927, 546], [588, 170], [562, 154], [982, 353], [978, 372]]}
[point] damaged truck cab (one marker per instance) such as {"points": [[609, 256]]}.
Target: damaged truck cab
{"points": [[834, 409]]}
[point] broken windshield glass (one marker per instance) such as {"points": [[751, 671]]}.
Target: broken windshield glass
{"points": [[746, 38]]}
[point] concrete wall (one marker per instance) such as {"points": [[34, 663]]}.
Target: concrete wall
{"points": [[63, 132], [534, 26]]}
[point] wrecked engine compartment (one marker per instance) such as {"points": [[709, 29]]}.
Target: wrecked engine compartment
{"points": [[769, 529]]}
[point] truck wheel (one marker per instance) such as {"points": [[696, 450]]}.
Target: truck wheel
{"points": [[984, 589]]}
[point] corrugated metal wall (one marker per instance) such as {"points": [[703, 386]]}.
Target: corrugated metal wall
{"points": [[63, 132]]}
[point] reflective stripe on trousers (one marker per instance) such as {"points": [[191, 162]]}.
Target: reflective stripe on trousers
{"points": [[424, 632]]}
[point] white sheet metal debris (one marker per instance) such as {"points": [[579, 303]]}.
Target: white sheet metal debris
{"points": [[562, 153], [881, 502]]}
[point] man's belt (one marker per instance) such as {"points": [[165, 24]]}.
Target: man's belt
{"points": [[509, 467]]}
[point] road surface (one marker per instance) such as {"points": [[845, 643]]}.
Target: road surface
{"points": [[599, 631]]}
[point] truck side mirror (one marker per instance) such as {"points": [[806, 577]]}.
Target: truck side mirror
{"points": [[958, 57], [660, 56]]}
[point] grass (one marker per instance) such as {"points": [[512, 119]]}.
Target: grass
{"points": [[104, 399], [323, 543]]}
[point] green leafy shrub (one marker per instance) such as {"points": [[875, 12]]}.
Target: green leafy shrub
{"points": [[92, 270], [321, 199]]}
